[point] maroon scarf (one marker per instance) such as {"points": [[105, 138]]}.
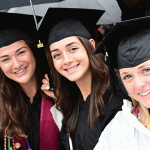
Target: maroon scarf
{"points": [[49, 132]]}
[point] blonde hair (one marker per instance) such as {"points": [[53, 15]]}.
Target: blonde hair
{"points": [[144, 113]]}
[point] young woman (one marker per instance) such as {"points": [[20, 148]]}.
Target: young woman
{"points": [[80, 78], [25, 112], [130, 128]]}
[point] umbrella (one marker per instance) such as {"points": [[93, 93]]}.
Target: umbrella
{"points": [[134, 9], [112, 10], [17, 3]]}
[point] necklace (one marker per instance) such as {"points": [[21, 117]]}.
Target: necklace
{"points": [[15, 145], [5, 142]]}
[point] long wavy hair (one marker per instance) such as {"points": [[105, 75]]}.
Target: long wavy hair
{"points": [[68, 93], [13, 110]]}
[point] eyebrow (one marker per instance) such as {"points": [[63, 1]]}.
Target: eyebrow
{"points": [[15, 52], [124, 73], [143, 66], [71, 44], [65, 46]]}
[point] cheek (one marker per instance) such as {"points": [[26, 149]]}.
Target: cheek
{"points": [[57, 65], [5, 68], [30, 58], [130, 88]]}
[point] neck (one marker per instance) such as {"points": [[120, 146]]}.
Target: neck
{"points": [[30, 88], [85, 86]]}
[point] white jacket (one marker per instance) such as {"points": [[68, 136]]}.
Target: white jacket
{"points": [[124, 132]]}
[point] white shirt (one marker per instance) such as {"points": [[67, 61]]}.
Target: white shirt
{"points": [[124, 132]]}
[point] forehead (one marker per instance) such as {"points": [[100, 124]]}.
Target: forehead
{"points": [[64, 42], [13, 47], [138, 67]]}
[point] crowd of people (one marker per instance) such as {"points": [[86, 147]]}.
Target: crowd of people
{"points": [[91, 91]]}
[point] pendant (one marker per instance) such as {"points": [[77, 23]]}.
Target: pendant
{"points": [[17, 145]]}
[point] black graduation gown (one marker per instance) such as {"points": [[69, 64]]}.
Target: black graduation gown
{"points": [[85, 138], [34, 111]]}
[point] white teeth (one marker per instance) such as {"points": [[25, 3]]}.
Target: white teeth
{"points": [[72, 68], [146, 93], [20, 71]]}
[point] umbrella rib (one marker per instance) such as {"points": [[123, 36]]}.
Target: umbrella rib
{"points": [[34, 15]]}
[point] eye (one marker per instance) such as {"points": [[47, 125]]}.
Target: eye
{"points": [[21, 52], [127, 77], [73, 49], [4, 60], [56, 56], [146, 70]]}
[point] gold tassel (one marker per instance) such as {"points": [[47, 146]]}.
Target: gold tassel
{"points": [[40, 44]]}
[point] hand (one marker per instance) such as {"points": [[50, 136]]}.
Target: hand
{"points": [[46, 87]]}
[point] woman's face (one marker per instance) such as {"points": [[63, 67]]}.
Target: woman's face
{"points": [[137, 82], [17, 62], [70, 58]]}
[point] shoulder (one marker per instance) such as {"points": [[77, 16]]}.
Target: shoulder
{"points": [[120, 121], [116, 132], [112, 102], [57, 116]]}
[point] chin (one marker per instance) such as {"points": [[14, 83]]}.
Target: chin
{"points": [[147, 105]]}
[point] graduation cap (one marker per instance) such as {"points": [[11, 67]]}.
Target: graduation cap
{"points": [[60, 23], [15, 27], [127, 44]]}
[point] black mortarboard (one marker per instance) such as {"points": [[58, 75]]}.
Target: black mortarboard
{"points": [[127, 43], [66, 22], [15, 27]]}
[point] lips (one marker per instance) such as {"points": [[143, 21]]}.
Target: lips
{"points": [[20, 71], [145, 93], [72, 68]]}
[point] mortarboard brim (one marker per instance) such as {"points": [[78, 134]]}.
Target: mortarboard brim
{"points": [[120, 31]]}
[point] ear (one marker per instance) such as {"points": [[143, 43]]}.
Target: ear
{"points": [[92, 41]]}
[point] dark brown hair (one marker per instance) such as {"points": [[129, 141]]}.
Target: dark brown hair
{"points": [[67, 92], [13, 110]]}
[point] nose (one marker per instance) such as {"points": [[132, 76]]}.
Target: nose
{"points": [[16, 63], [67, 59], [140, 82]]}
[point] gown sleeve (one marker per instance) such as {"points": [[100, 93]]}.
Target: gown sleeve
{"points": [[85, 137], [1, 143], [64, 139]]}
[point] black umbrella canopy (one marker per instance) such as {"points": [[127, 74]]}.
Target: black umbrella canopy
{"points": [[6, 4], [121, 30]]}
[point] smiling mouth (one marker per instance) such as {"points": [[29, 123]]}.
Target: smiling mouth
{"points": [[145, 93], [18, 72], [72, 68]]}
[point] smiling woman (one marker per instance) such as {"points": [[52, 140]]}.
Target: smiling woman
{"points": [[80, 78], [130, 128], [68, 63], [26, 113], [18, 63]]}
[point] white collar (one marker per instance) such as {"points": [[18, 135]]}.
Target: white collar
{"points": [[132, 119]]}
